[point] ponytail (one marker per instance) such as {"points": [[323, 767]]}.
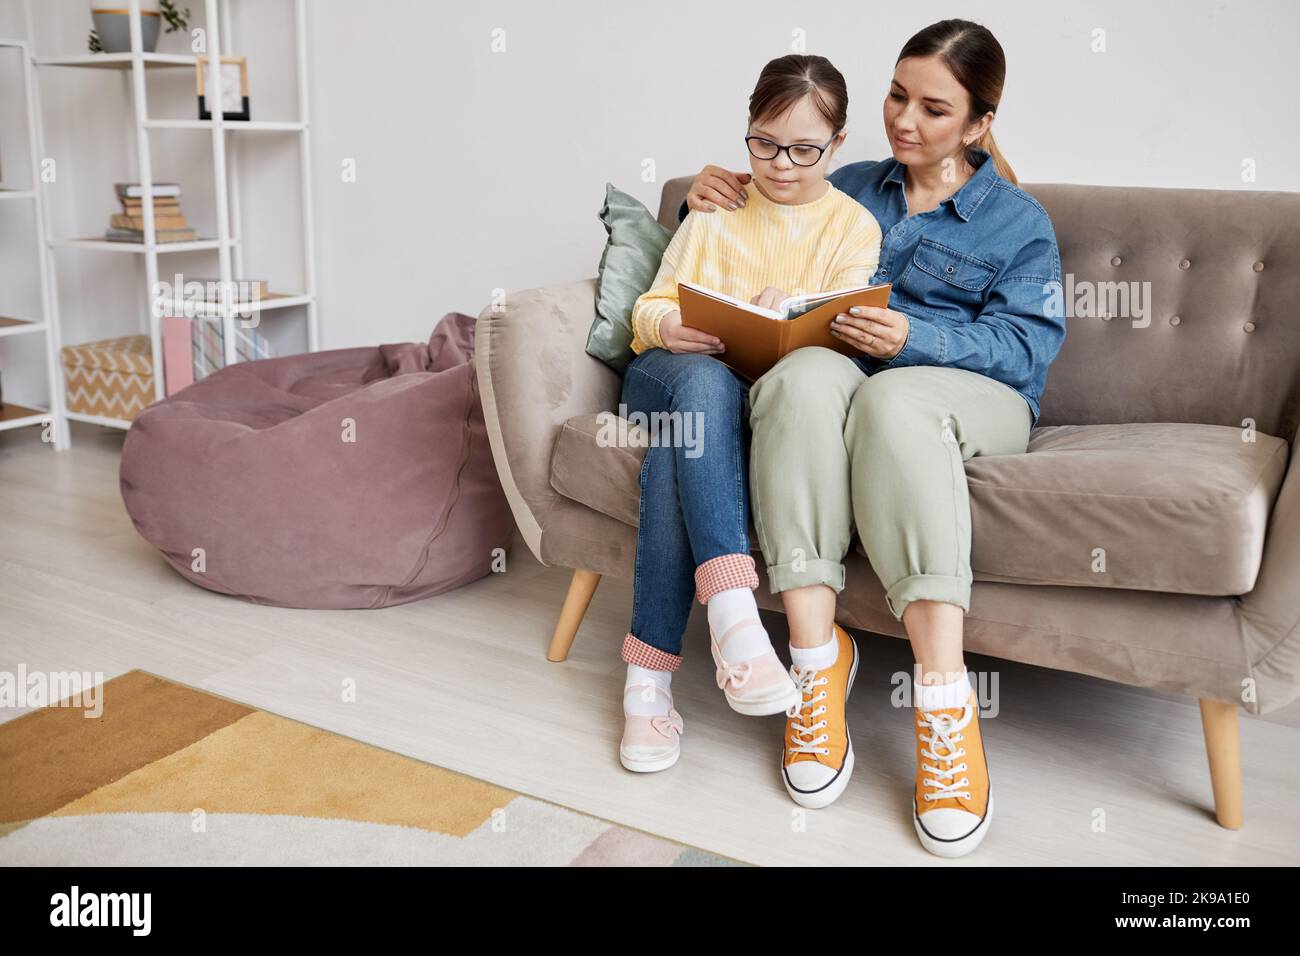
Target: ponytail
{"points": [[1000, 164]]}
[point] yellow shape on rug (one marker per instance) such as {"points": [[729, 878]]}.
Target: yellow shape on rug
{"points": [[263, 763]]}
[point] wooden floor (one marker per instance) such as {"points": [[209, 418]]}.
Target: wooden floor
{"points": [[1086, 772]]}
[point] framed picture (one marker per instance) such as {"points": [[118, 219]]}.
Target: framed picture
{"points": [[233, 86]]}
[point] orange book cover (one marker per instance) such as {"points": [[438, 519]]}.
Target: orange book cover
{"points": [[757, 338]]}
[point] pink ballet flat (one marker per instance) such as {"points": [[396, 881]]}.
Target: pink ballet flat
{"points": [[650, 743], [756, 687]]}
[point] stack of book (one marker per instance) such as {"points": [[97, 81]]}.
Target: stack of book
{"points": [[168, 220], [244, 292]]}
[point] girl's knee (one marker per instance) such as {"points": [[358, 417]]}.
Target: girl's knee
{"points": [[705, 383]]}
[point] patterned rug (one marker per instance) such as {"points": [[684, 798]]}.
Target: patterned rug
{"points": [[172, 776]]}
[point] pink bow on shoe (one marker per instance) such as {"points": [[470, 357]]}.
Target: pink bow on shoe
{"points": [[736, 674], [665, 725], [768, 689]]}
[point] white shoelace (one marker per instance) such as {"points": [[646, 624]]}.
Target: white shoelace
{"points": [[946, 729], [802, 737]]}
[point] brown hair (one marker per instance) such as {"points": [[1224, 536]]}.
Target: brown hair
{"points": [[976, 59], [788, 79]]}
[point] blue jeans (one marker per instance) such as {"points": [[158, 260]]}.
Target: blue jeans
{"points": [[694, 487]]}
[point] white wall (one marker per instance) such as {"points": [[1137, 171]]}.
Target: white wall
{"points": [[479, 170], [587, 90]]}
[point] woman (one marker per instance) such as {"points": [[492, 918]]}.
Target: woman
{"points": [[796, 232], [954, 368]]}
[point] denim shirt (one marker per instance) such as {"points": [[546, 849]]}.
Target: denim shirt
{"points": [[975, 276]]}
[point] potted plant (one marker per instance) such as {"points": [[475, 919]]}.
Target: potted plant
{"points": [[112, 31]]}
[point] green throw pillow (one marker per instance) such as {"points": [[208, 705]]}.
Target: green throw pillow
{"points": [[627, 269]]}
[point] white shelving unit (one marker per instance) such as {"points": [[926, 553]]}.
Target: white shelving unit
{"points": [[13, 415], [226, 182]]}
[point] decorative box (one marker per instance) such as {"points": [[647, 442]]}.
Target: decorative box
{"points": [[112, 378]]}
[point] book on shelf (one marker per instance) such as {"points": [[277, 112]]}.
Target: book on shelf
{"points": [[169, 208], [123, 221], [159, 202], [161, 235], [168, 220], [136, 190], [246, 290], [756, 338]]}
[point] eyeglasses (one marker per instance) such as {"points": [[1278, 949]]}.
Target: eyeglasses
{"points": [[801, 154]]}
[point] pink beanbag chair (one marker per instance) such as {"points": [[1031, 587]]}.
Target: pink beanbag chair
{"points": [[345, 479]]}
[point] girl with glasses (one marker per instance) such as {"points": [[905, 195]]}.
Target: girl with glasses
{"points": [[795, 233]]}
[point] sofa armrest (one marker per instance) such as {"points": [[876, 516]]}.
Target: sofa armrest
{"points": [[534, 374], [671, 199], [1270, 613]]}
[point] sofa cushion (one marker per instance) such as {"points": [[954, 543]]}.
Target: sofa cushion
{"points": [[628, 267], [1148, 506]]}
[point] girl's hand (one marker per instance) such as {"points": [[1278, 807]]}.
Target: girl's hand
{"points": [[769, 298], [678, 338], [717, 185], [876, 331]]}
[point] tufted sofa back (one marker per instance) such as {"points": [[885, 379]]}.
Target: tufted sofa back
{"points": [[1182, 305]]}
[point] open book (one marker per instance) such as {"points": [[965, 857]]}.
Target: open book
{"points": [[757, 338]]}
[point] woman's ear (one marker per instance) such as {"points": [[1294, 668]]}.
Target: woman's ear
{"points": [[977, 130]]}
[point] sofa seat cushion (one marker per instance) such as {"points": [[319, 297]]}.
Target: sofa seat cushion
{"points": [[1146, 506]]}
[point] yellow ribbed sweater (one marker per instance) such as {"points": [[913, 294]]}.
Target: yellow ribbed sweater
{"points": [[829, 243]]}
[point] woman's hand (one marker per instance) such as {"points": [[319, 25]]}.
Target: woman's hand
{"points": [[876, 331], [769, 298], [717, 185], [678, 338]]}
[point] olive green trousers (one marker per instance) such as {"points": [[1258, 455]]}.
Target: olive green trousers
{"points": [[834, 450]]}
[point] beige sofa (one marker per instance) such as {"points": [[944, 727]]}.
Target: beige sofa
{"points": [[1151, 534]]}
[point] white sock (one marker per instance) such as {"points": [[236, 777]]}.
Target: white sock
{"points": [[643, 702], [728, 607], [942, 696], [818, 658]]}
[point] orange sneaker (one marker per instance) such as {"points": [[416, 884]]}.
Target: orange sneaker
{"points": [[817, 754], [954, 798]]}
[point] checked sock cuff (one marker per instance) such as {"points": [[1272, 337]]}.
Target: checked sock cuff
{"points": [[723, 573], [638, 652]]}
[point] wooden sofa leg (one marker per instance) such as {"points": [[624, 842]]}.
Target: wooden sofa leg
{"points": [[581, 588], [1223, 747]]}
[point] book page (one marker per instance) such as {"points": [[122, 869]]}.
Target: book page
{"points": [[797, 305], [739, 303]]}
